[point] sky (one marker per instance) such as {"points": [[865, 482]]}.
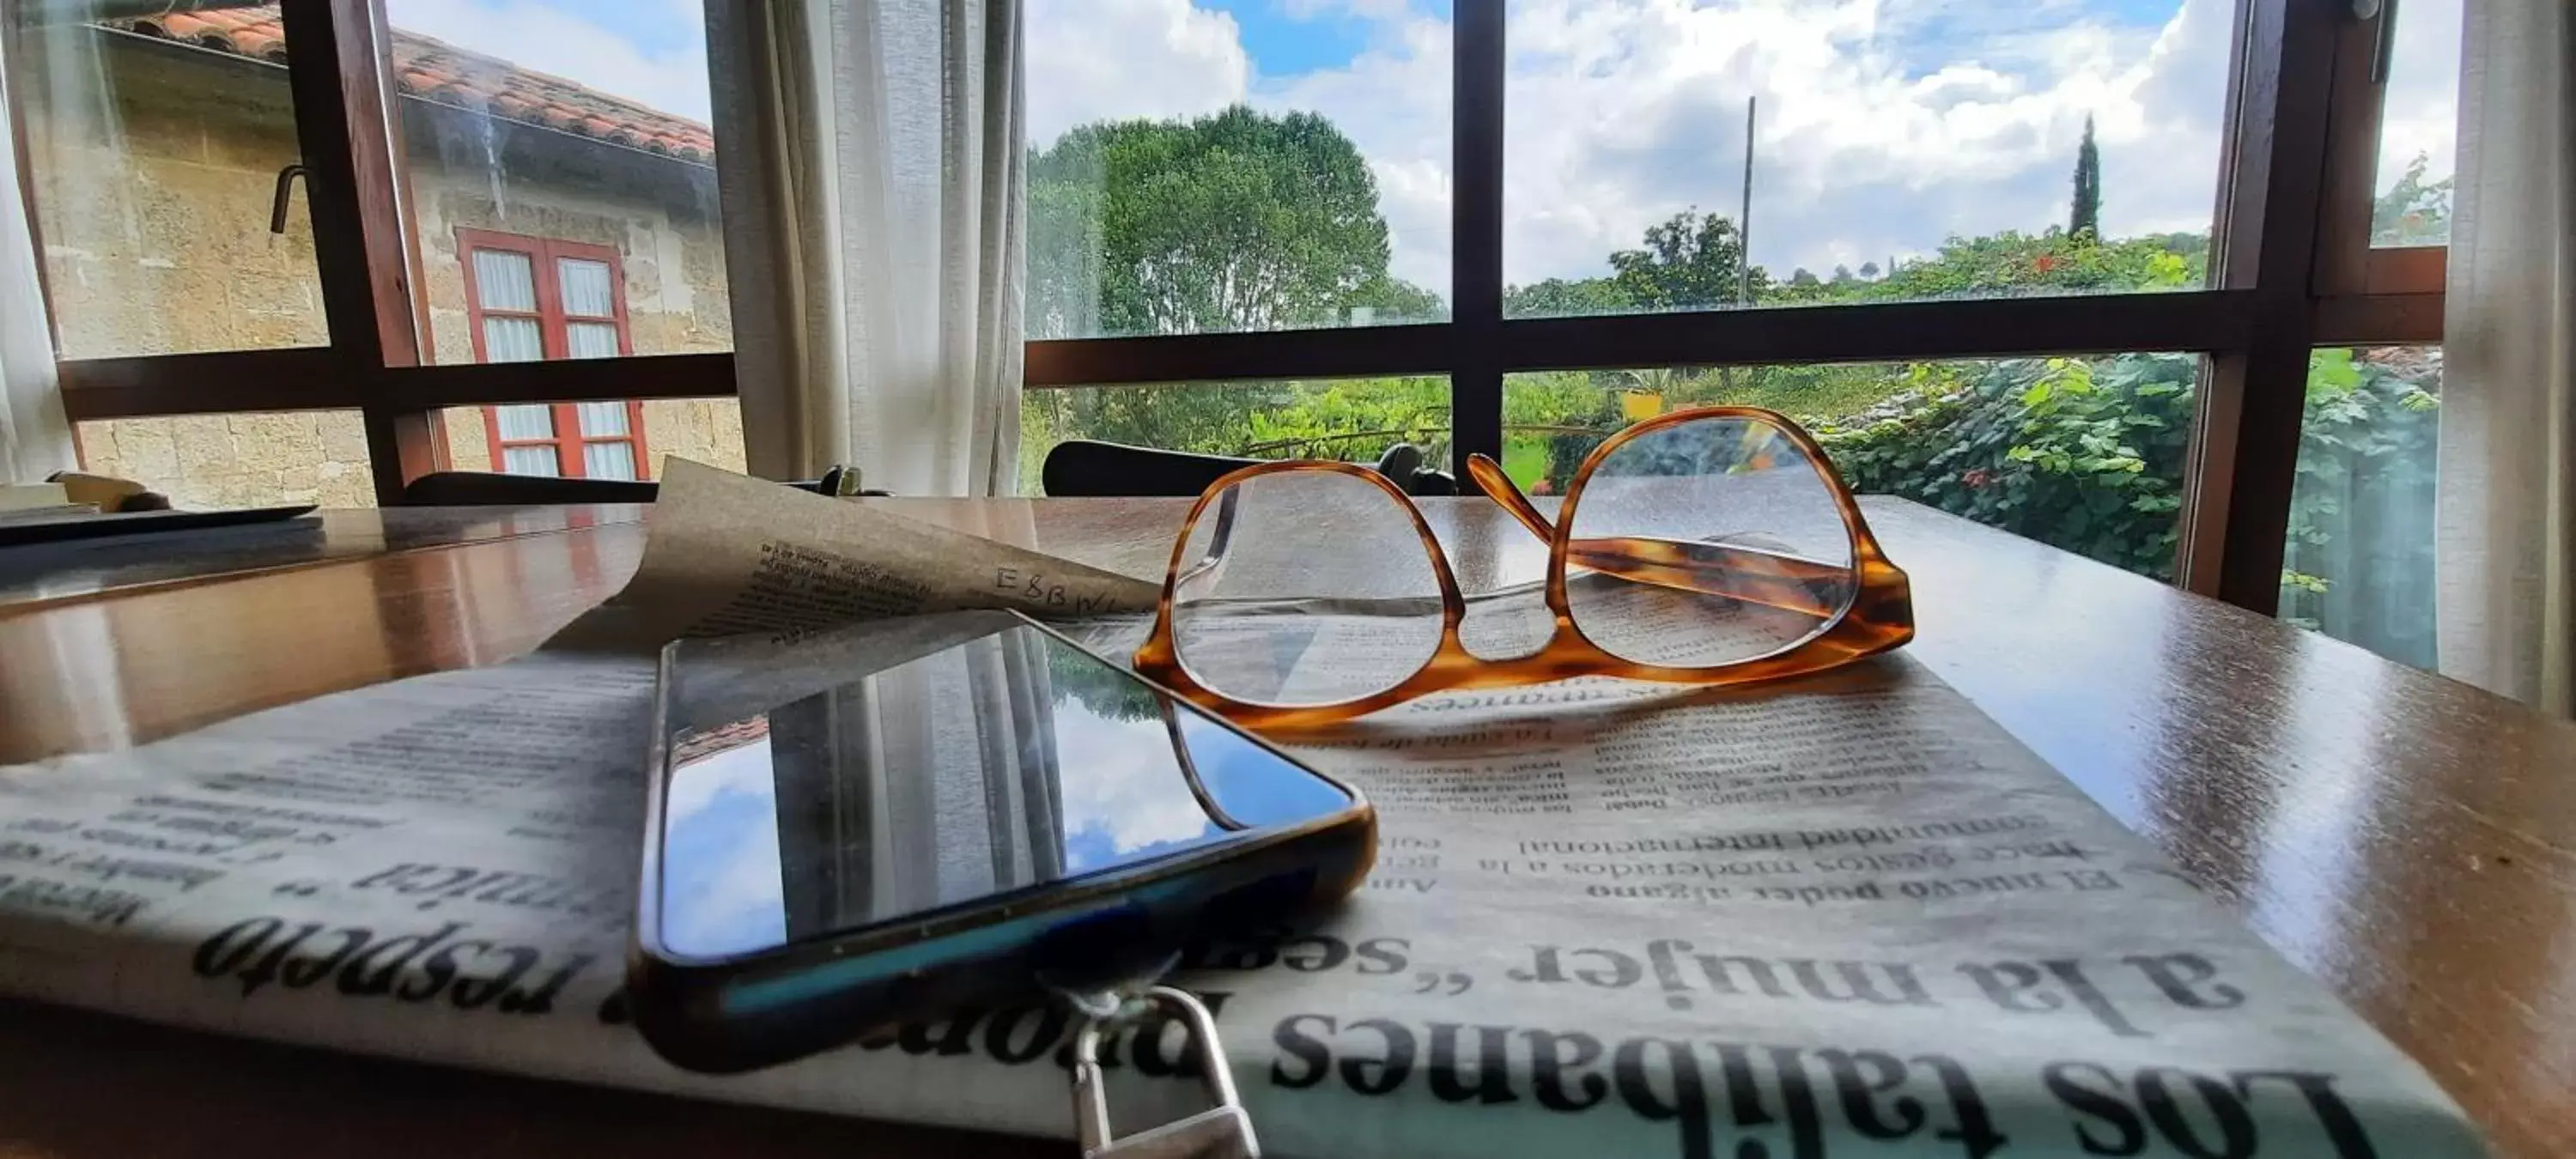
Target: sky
{"points": [[1885, 125]]}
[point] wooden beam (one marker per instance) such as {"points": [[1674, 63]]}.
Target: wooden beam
{"points": [[1882, 332], [2352, 159], [1477, 360], [1342, 353], [216, 382], [2414, 269], [564, 380], [2245, 442], [2380, 320], [352, 183]]}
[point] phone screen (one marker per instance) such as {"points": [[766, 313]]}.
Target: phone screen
{"points": [[998, 764]]}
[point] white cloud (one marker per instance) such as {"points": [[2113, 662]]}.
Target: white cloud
{"points": [[1393, 102], [1119, 780], [1622, 114], [539, 35], [1091, 60], [1886, 125]]}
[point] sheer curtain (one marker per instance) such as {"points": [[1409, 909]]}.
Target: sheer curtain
{"points": [[35, 439], [2506, 493], [874, 232]]}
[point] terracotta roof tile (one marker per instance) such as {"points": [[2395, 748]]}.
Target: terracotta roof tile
{"points": [[435, 70]]}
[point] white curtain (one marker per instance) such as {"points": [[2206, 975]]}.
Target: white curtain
{"points": [[35, 439], [2506, 494], [870, 157]]}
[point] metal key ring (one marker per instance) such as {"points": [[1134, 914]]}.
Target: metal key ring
{"points": [[1223, 1131]]}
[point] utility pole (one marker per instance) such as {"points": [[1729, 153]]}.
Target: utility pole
{"points": [[1743, 242], [1744, 216]]}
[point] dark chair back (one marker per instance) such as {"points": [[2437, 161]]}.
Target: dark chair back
{"points": [[1085, 467], [1090, 468], [488, 489]]}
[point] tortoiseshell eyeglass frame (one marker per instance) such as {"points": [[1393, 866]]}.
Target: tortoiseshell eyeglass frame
{"points": [[1879, 617]]}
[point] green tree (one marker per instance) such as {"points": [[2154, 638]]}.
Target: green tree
{"points": [[1394, 299], [1691, 260], [1236, 221], [2413, 211], [2086, 220], [1559, 297]]}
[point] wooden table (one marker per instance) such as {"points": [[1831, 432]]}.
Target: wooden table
{"points": [[2409, 840]]}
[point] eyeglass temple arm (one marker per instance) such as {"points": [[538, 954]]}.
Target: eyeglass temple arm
{"points": [[1499, 487], [1741, 573]]}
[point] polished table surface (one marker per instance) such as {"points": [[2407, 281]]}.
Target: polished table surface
{"points": [[2409, 840]]}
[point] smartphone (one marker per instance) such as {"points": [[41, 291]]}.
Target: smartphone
{"points": [[894, 821]]}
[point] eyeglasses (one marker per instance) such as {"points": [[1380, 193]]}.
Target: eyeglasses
{"points": [[1707, 546]]}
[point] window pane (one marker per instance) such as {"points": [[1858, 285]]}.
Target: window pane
{"points": [[1357, 419], [532, 421], [585, 288], [504, 280], [2085, 454], [608, 460], [708, 430], [2359, 562], [566, 123], [1264, 168], [529, 461], [1900, 152], [153, 147], [2419, 126], [590, 339], [212, 462], [512, 340], [602, 419]]}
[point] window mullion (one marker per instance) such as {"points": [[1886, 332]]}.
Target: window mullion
{"points": [[1476, 220], [359, 243]]}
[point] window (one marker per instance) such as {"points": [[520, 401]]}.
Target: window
{"points": [[587, 124], [2418, 126], [581, 440], [1356, 420], [1873, 154], [155, 147], [1284, 167], [2359, 562], [2084, 454], [529, 300], [515, 203]]}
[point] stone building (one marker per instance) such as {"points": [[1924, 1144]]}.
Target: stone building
{"points": [[554, 220]]}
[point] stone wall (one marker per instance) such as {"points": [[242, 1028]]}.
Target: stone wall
{"points": [[154, 206]]}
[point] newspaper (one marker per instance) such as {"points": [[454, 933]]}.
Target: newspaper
{"points": [[729, 554], [1838, 917]]}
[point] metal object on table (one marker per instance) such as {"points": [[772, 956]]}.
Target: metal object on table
{"points": [[1223, 1131]]}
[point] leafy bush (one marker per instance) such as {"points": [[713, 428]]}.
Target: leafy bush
{"points": [[2360, 556], [2086, 455]]}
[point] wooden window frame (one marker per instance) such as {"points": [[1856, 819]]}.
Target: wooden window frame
{"points": [[2286, 278], [2368, 294], [554, 341], [569, 442], [554, 329]]}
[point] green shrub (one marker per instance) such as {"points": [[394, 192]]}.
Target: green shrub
{"points": [[2086, 455]]}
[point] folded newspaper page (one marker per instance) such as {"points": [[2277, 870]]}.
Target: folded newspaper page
{"points": [[1838, 917], [731, 554]]}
